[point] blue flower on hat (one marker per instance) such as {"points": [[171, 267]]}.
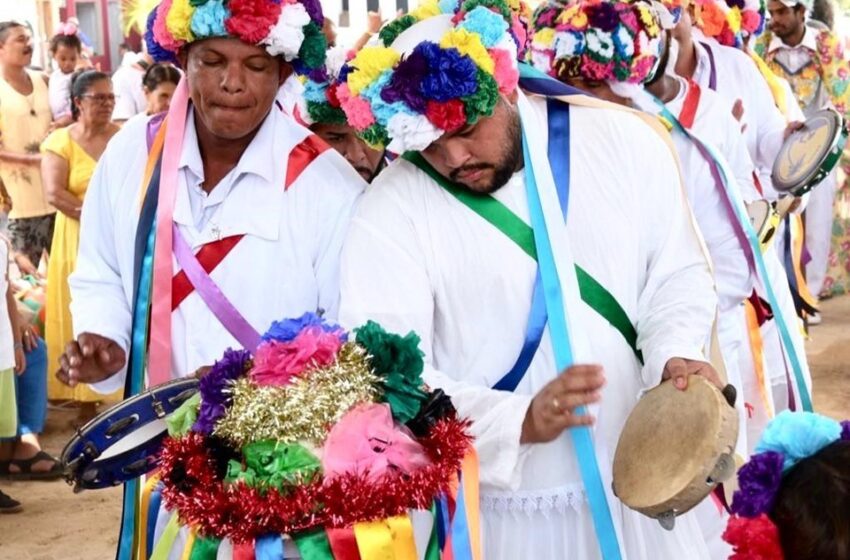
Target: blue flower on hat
{"points": [[208, 20], [451, 75], [487, 24], [155, 50], [315, 91], [798, 435], [382, 110]]}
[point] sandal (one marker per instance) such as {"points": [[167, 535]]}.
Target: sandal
{"points": [[25, 471], [8, 504]]}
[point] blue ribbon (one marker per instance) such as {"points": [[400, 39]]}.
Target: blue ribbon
{"points": [[268, 547], [461, 547], [442, 520], [559, 158], [755, 246], [559, 331], [153, 514]]}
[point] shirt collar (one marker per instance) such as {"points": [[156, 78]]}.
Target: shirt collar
{"points": [[809, 41]]}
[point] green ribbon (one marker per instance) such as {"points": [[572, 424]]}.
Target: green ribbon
{"points": [[273, 464], [314, 545], [433, 550], [205, 548], [180, 421], [505, 220]]}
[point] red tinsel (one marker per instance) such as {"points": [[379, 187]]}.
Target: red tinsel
{"points": [[251, 20], [753, 539], [243, 513], [449, 115]]}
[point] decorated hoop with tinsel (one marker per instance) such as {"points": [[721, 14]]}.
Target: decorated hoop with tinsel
{"points": [[439, 68], [596, 40], [288, 28], [319, 431]]}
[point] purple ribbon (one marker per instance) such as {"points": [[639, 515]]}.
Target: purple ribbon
{"points": [[216, 301], [712, 74]]}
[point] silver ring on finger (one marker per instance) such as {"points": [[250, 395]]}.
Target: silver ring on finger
{"points": [[556, 404]]}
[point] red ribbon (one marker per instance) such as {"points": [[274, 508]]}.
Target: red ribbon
{"points": [[343, 544]]}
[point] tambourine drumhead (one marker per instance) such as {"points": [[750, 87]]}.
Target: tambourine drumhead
{"points": [[123, 441], [809, 153], [670, 446], [759, 211]]}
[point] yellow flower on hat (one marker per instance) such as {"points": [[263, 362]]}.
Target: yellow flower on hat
{"points": [[370, 63], [649, 22], [573, 16], [427, 9], [179, 20], [545, 38], [470, 45], [734, 19]]}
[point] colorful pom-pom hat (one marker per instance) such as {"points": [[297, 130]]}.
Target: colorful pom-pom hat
{"points": [[319, 103], [288, 28], [437, 69], [730, 22], [596, 40]]}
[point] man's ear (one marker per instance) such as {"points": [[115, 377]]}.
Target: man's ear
{"points": [[285, 71], [183, 58], [513, 96]]}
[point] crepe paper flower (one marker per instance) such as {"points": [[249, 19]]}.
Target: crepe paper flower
{"points": [[271, 464], [314, 8], [198, 3], [569, 44], [277, 363], [180, 421], [753, 539], [734, 19], [251, 20], [179, 20], [406, 82], [314, 92], [758, 482], [600, 45], [208, 19], [213, 388], [648, 19], [161, 33], [449, 115], [368, 64], [438, 406], [325, 113], [488, 25], [366, 441], [603, 16], [544, 38], [797, 435], [711, 20], [356, 108], [450, 74], [468, 44], [313, 48], [287, 35], [483, 101], [377, 137], [624, 43], [448, 6], [393, 29], [426, 9], [157, 52], [288, 329], [505, 71]]}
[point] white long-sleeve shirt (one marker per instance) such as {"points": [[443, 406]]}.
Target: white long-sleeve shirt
{"points": [[286, 264], [417, 259]]}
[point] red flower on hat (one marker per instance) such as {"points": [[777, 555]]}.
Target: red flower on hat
{"points": [[251, 20], [753, 539], [449, 115], [330, 93]]}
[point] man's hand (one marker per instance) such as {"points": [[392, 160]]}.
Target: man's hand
{"points": [[678, 370], [791, 128], [89, 359], [26, 266], [551, 410]]}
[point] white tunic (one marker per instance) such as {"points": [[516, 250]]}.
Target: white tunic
{"points": [[286, 264], [417, 259]]}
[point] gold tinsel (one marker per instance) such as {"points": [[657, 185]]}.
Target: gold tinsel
{"points": [[303, 410]]}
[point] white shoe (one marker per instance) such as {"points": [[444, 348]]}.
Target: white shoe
{"points": [[814, 319]]}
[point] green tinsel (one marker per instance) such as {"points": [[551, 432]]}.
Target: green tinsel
{"points": [[181, 420], [395, 28], [324, 113], [483, 101], [398, 361], [271, 464], [314, 47]]}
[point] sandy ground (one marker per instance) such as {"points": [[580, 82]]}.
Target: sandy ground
{"points": [[58, 524]]}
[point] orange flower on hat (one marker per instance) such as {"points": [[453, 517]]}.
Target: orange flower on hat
{"points": [[712, 19]]}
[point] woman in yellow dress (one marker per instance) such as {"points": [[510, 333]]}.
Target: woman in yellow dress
{"points": [[69, 158]]}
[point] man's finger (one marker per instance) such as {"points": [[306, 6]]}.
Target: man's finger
{"points": [[570, 401], [567, 421], [677, 371]]}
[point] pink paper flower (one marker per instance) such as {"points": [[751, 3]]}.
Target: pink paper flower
{"points": [[160, 31], [357, 109], [276, 363], [505, 72]]}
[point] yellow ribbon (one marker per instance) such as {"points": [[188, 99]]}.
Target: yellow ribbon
{"points": [[757, 351], [163, 546], [386, 539], [142, 525], [772, 82], [471, 499], [187, 548], [797, 235]]}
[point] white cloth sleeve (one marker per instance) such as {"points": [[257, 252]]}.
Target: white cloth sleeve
{"points": [[678, 302], [384, 278]]}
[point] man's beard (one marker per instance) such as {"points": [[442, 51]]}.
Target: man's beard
{"points": [[505, 167]]}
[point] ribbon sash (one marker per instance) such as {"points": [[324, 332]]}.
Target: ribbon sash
{"points": [[216, 301]]}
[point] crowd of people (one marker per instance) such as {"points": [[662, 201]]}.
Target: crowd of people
{"points": [[556, 202]]}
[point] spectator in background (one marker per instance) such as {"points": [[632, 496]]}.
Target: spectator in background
{"points": [[69, 158], [159, 82], [127, 81], [329, 30], [66, 50], [24, 122]]}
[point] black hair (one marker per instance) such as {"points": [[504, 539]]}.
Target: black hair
{"points": [[6, 26], [159, 73], [812, 508], [70, 41], [81, 82]]}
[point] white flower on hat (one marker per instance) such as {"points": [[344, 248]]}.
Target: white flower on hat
{"points": [[601, 43], [411, 132], [286, 36], [334, 60], [568, 45]]}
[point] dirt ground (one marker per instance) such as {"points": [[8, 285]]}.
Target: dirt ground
{"points": [[58, 524]]}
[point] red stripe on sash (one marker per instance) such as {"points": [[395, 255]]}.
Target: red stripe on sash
{"points": [[211, 254]]}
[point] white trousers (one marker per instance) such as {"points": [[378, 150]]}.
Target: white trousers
{"points": [[819, 216]]}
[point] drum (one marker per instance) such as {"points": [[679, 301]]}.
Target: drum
{"points": [[123, 441], [765, 220], [675, 447], [810, 153]]}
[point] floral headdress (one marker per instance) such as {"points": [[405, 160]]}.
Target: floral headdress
{"points": [[318, 429], [596, 39], [288, 28], [320, 101], [788, 439], [731, 22], [438, 68]]}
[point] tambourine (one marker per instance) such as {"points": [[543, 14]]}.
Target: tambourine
{"points": [[810, 153], [766, 217], [122, 442], [675, 447]]}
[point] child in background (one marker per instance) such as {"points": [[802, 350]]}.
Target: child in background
{"points": [[794, 496], [12, 361], [65, 47]]}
